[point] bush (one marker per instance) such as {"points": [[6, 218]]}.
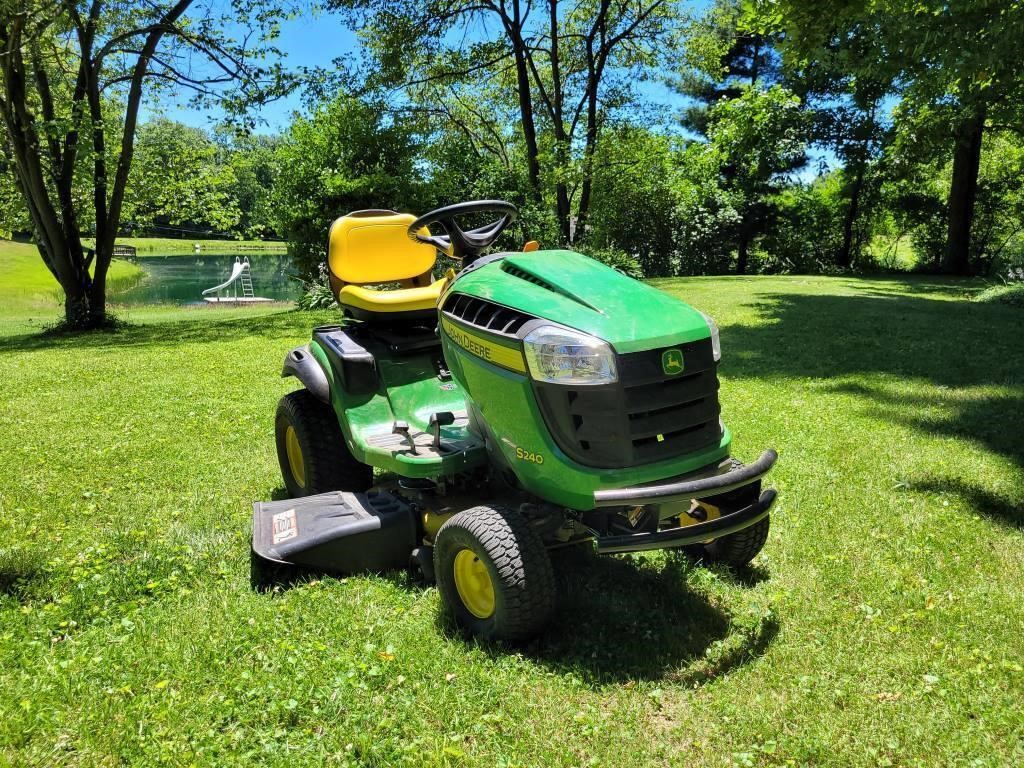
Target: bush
{"points": [[1012, 294], [806, 232], [318, 293], [616, 259]]}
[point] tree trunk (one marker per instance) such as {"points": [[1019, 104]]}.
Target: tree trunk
{"points": [[742, 247], [962, 192], [845, 256]]}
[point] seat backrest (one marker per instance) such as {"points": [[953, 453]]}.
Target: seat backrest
{"points": [[374, 247]]}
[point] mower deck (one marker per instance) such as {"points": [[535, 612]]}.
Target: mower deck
{"points": [[337, 532]]}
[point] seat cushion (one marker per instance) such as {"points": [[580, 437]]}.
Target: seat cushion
{"points": [[402, 300]]}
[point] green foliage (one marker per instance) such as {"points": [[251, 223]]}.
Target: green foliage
{"points": [[318, 293], [620, 260], [13, 214], [756, 140], [806, 232], [705, 216], [347, 156], [254, 162], [179, 178], [723, 54], [634, 200]]}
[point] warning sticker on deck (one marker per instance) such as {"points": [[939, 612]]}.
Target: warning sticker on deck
{"points": [[284, 526]]}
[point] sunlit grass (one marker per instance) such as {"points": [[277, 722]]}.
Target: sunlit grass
{"points": [[882, 624], [169, 246], [28, 290]]}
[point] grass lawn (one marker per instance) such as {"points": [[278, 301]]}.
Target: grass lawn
{"points": [[27, 289], [169, 246], [882, 625]]}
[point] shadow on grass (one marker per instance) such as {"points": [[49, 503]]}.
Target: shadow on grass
{"points": [[618, 619], [950, 343], [625, 618], [20, 573], [203, 329], [1003, 507]]}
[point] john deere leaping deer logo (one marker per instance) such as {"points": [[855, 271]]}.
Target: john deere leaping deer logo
{"points": [[672, 361]]}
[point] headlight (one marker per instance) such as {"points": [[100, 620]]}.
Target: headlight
{"points": [[716, 343], [561, 356]]}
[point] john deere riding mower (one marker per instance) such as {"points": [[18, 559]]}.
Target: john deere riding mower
{"points": [[465, 426]]}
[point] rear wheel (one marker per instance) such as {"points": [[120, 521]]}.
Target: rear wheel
{"points": [[311, 448], [494, 574]]}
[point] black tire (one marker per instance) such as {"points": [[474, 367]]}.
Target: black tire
{"points": [[421, 566], [328, 465], [737, 549], [519, 568]]}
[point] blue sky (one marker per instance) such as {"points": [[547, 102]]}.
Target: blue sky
{"points": [[316, 41], [308, 41]]}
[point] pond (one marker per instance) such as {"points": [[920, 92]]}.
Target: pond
{"points": [[182, 279]]}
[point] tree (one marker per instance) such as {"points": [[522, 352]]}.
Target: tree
{"points": [[724, 54], [345, 157], [255, 169], [73, 75], [962, 58], [756, 140], [571, 66], [179, 178]]}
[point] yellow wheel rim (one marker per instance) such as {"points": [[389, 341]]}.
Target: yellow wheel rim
{"points": [[295, 460], [473, 583]]}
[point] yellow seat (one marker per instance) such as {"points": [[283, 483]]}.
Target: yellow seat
{"points": [[373, 247], [400, 300]]}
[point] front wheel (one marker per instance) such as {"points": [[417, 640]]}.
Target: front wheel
{"points": [[736, 549], [494, 574]]}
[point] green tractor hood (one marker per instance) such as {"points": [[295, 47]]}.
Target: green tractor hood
{"points": [[577, 291]]}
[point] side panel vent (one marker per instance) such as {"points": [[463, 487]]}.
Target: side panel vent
{"points": [[485, 314]]}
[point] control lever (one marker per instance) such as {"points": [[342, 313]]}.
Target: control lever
{"points": [[438, 420], [402, 428]]}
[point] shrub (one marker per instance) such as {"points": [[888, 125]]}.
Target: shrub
{"points": [[318, 293], [619, 260], [1011, 293]]}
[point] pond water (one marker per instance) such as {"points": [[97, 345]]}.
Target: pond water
{"points": [[182, 279]]}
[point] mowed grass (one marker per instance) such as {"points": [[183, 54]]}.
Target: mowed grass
{"points": [[27, 289], [882, 625], [170, 246]]}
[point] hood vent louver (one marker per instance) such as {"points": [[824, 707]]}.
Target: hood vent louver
{"points": [[485, 314], [516, 271]]}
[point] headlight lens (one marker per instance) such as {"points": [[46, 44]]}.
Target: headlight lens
{"points": [[562, 356], [716, 342]]}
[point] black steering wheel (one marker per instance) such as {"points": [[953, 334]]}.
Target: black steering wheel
{"points": [[462, 244]]}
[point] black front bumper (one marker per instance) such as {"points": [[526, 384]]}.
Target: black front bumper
{"points": [[682, 490], [690, 534]]}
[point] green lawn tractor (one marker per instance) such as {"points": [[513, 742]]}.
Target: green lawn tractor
{"points": [[465, 426]]}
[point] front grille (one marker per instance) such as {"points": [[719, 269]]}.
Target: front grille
{"points": [[480, 313], [646, 416]]}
